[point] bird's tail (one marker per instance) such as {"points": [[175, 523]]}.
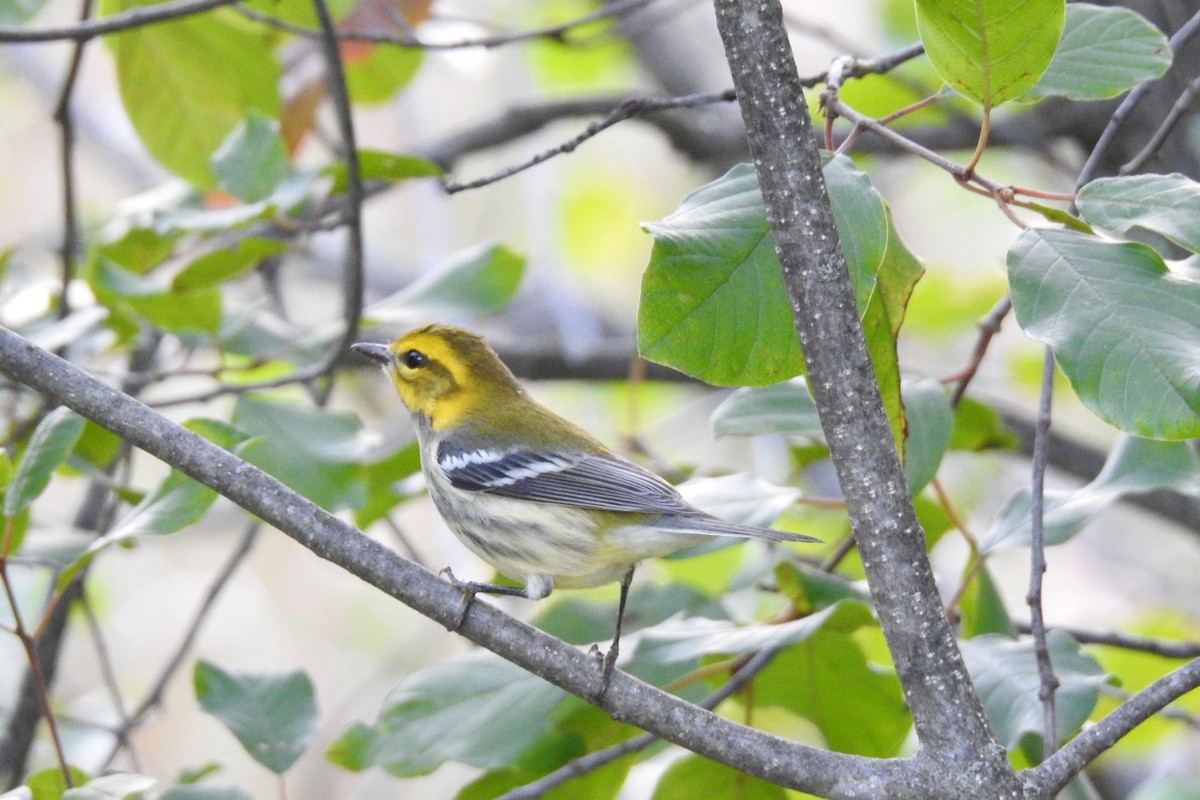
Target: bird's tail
{"points": [[706, 525]]}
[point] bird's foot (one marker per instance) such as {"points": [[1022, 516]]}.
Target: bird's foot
{"points": [[468, 597], [607, 662]]}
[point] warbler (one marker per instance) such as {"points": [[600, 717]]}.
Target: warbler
{"points": [[528, 492]]}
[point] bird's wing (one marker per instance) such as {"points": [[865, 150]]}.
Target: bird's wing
{"points": [[587, 480]]}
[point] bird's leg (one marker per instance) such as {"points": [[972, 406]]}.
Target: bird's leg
{"points": [[609, 660], [472, 588]]}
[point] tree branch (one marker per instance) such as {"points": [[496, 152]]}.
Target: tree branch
{"points": [[126, 20], [627, 699], [1054, 773], [946, 710]]}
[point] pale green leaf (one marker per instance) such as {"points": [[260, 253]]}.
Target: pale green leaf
{"points": [[118, 786], [785, 409], [1168, 205], [930, 421], [474, 708], [272, 716], [1104, 51], [48, 447], [478, 280], [186, 84], [990, 50], [251, 161], [1134, 466], [1124, 329], [1006, 674]]}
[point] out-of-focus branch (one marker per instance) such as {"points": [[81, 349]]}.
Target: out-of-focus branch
{"points": [[122, 21], [408, 40]]}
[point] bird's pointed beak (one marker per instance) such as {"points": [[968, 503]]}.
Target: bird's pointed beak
{"points": [[375, 352]]}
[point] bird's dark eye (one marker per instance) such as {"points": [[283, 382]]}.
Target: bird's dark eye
{"points": [[414, 359]]}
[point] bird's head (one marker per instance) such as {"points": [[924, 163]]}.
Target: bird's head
{"points": [[443, 373]]}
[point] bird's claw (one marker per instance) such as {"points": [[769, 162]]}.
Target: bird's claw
{"points": [[468, 594], [608, 662]]}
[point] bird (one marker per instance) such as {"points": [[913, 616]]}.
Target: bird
{"points": [[527, 491]]}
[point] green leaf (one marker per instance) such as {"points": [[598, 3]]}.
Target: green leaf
{"points": [[713, 302], [1103, 52], [186, 84], [196, 310], [376, 165], [119, 786], [177, 503], [1006, 674], [1134, 466], [272, 716], [981, 605], [695, 776], [811, 589], [374, 72], [48, 784], [1168, 205], [218, 266], [251, 161], [688, 639], [139, 250], [869, 716], [317, 453], [97, 446], [978, 427], [475, 708], [929, 424], [990, 50], [478, 280], [6, 470], [381, 479], [584, 729], [892, 286], [784, 409], [49, 447], [1124, 330], [862, 223]]}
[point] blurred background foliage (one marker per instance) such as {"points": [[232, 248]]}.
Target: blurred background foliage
{"points": [[202, 212]]}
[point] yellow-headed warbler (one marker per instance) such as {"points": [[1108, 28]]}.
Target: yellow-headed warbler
{"points": [[525, 490]]}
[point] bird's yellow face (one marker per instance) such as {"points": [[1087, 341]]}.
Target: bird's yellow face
{"points": [[443, 373]]}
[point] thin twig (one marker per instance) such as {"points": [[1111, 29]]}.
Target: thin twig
{"points": [[1183, 104], [31, 657], [1189, 29], [352, 270], [1055, 772], [66, 125], [1048, 682], [989, 326], [556, 32], [104, 657], [624, 111], [123, 21], [1166, 648]]}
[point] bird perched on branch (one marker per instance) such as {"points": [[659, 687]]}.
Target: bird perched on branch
{"points": [[527, 491]]}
